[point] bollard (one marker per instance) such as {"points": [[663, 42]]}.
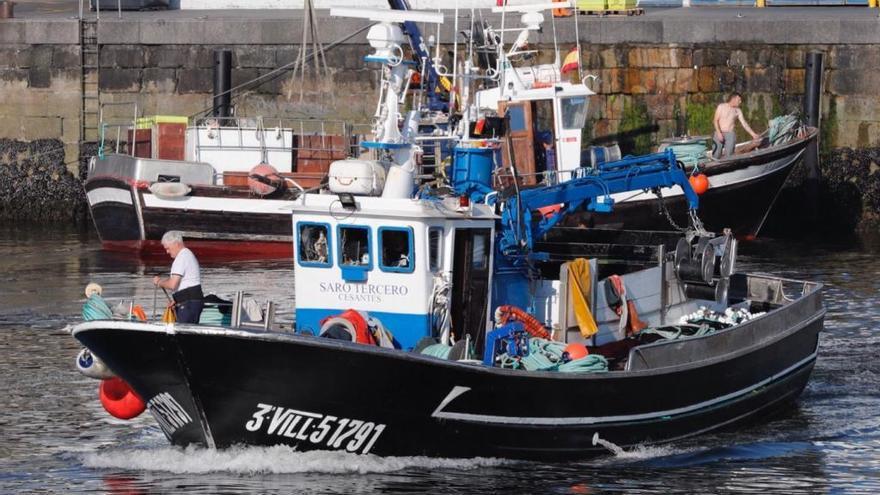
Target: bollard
{"points": [[812, 109]]}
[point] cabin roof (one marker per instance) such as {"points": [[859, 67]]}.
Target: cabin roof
{"points": [[372, 207]]}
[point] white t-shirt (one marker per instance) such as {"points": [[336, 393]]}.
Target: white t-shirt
{"points": [[187, 266]]}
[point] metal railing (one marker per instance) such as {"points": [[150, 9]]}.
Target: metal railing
{"points": [[98, 8]]}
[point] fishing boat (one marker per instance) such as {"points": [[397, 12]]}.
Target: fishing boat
{"points": [[411, 270], [427, 323], [739, 193], [211, 179]]}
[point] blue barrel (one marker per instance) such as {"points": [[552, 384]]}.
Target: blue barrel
{"points": [[471, 166]]}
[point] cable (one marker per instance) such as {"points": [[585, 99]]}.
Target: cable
{"points": [[277, 71]]}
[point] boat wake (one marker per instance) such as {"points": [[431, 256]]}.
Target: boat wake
{"points": [[278, 459]]}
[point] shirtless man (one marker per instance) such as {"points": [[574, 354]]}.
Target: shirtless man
{"points": [[725, 118]]}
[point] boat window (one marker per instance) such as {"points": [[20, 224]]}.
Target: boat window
{"points": [[574, 112], [517, 117], [313, 244], [396, 248], [481, 251], [354, 246], [435, 249]]}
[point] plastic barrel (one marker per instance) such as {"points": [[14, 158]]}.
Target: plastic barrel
{"points": [[472, 165]]}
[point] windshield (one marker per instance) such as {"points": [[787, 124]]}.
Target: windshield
{"points": [[574, 112]]}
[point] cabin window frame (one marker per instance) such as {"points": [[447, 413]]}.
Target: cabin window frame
{"points": [[354, 273], [566, 108], [328, 231], [410, 243], [486, 252], [436, 265]]}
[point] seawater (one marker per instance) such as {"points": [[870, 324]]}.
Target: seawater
{"points": [[56, 438]]}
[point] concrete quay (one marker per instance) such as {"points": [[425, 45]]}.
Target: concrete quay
{"points": [[55, 22]]}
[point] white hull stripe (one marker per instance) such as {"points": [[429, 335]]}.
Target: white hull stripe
{"points": [[595, 420], [109, 195], [237, 205]]}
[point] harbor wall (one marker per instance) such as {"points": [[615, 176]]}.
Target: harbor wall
{"points": [[656, 78]]}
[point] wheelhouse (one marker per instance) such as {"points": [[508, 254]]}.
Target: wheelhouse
{"points": [[391, 258]]}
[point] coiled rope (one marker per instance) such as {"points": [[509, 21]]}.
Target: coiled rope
{"points": [[437, 350], [546, 355], [689, 154]]}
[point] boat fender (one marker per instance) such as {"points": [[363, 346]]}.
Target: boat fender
{"points": [[169, 190], [119, 399], [348, 325], [507, 313], [264, 180], [91, 366]]}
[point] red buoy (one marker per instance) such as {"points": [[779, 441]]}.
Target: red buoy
{"points": [[699, 183], [119, 399], [576, 350]]}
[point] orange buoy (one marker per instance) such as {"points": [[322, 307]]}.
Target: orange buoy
{"points": [[263, 180], [699, 183], [119, 399], [576, 350]]}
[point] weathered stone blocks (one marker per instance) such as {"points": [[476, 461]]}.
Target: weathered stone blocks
{"points": [[120, 80], [194, 81]]}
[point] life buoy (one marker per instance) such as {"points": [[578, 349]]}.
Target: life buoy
{"points": [[119, 399], [507, 313], [349, 325]]}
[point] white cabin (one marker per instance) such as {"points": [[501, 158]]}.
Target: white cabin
{"points": [[391, 258]]}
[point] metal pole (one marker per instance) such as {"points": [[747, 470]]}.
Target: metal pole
{"points": [[222, 82], [812, 109]]}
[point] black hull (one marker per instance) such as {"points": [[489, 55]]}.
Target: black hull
{"points": [[237, 387], [741, 206]]}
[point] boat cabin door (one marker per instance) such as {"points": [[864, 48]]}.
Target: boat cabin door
{"points": [[521, 137], [470, 284]]}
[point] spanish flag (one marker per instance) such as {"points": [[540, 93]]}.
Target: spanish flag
{"points": [[570, 62]]}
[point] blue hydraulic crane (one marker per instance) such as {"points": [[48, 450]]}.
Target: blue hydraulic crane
{"points": [[431, 83], [593, 190]]}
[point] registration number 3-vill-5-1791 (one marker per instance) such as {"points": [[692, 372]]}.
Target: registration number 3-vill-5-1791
{"points": [[353, 435]]}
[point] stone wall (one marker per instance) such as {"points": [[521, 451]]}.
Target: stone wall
{"points": [[656, 77], [675, 89]]}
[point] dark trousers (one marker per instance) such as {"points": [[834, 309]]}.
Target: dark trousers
{"points": [[189, 311]]}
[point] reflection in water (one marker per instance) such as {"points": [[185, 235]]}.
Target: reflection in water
{"points": [[54, 435]]}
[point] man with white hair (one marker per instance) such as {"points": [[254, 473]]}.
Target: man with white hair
{"points": [[185, 280]]}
